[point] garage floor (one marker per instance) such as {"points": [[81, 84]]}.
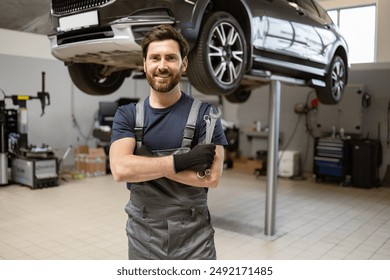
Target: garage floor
{"points": [[84, 219]]}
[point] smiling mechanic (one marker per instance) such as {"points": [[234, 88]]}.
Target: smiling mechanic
{"points": [[157, 148]]}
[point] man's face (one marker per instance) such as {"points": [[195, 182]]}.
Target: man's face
{"points": [[163, 65]]}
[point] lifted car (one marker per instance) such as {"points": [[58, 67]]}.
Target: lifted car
{"points": [[235, 44]]}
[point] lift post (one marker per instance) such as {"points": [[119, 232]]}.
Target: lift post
{"points": [[272, 161], [275, 82]]}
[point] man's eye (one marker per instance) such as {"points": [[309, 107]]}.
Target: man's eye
{"points": [[171, 58]]}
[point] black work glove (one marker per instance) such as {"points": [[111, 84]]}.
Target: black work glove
{"points": [[201, 157]]}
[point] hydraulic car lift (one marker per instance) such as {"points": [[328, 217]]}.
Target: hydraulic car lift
{"points": [[273, 143]]}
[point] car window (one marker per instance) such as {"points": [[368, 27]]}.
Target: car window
{"points": [[309, 6], [323, 13]]}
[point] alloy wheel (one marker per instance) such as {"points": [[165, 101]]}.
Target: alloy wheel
{"points": [[338, 79], [225, 53]]}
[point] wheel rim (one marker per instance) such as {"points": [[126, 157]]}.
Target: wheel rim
{"points": [[225, 53], [338, 79]]}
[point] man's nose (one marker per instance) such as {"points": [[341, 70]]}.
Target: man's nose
{"points": [[162, 64]]}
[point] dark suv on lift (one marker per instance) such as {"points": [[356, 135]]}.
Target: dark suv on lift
{"points": [[236, 45]]}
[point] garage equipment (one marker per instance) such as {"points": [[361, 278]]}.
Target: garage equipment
{"points": [[289, 163], [331, 159], [3, 152], [261, 155], [366, 160], [32, 166], [35, 172], [386, 178]]}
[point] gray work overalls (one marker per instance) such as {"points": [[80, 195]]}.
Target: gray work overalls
{"points": [[169, 220]]}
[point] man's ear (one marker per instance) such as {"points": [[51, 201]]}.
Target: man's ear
{"points": [[144, 65], [184, 64]]}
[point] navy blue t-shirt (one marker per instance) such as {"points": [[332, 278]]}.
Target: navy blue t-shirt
{"points": [[163, 128]]}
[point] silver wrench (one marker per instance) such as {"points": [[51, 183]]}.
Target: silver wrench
{"points": [[210, 120]]}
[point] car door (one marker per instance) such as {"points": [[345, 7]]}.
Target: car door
{"points": [[259, 21], [285, 34], [320, 34]]}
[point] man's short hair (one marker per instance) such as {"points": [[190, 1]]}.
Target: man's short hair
{"points": [[161, 33]]}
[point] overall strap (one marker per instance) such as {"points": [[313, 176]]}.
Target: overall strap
{"points": [[139, 123], [189, 129]]}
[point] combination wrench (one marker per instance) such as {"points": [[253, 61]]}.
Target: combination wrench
{"points": [[210, 120]]}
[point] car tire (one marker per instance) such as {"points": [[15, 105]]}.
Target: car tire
{"points": [[240, 95], [86, 77], [218, 61], [335, 81]]}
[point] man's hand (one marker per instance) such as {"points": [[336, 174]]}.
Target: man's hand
{"points": [[200, 158]]}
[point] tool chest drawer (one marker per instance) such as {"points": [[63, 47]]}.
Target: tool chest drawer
{"points": [[330, 159]]}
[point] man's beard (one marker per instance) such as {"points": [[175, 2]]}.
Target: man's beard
{"points": [[170, 80]]}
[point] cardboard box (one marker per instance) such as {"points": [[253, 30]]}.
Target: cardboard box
{"points": [[90, 161]]}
